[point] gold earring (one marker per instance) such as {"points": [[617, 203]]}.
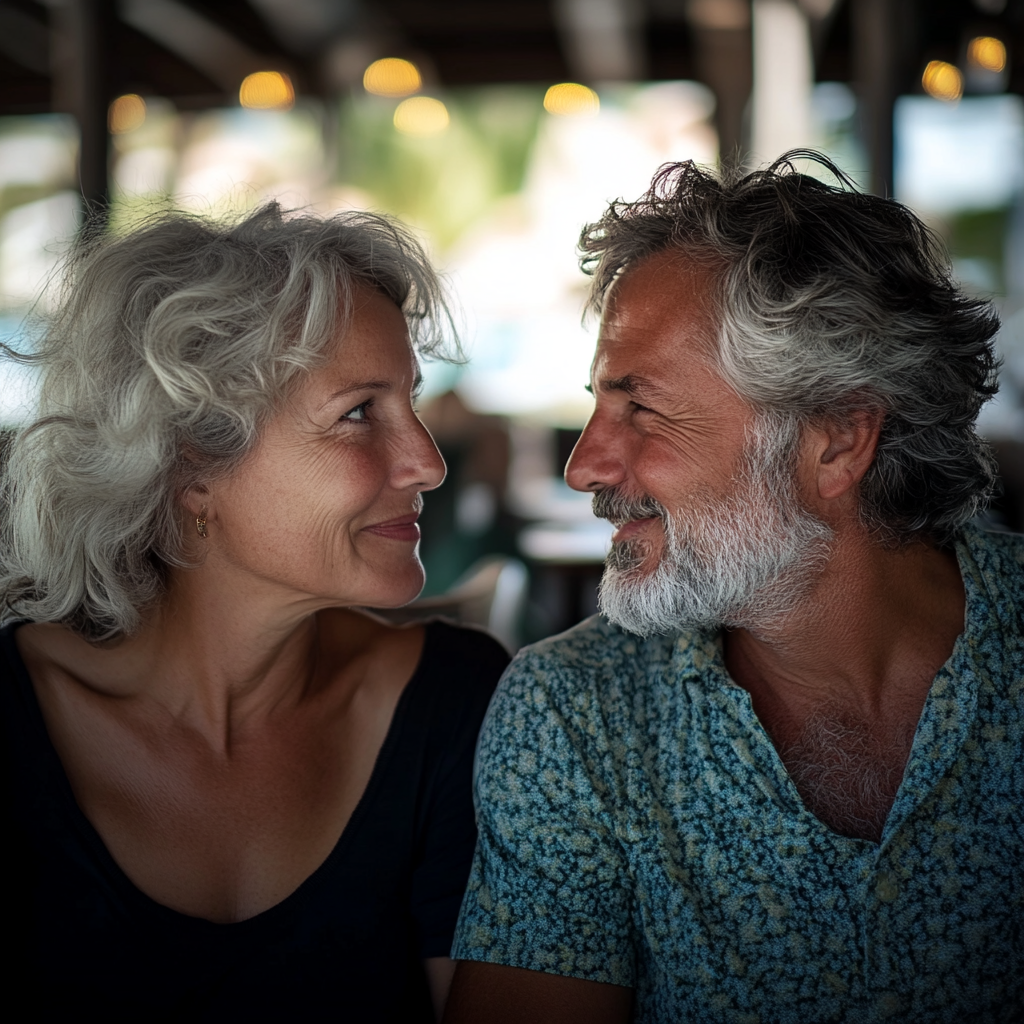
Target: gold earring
{"points": [[201, 522]]}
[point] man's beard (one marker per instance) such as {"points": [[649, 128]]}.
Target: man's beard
{"points": [[743, 560]]}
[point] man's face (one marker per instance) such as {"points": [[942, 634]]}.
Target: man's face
{"points": [[709, 529]]}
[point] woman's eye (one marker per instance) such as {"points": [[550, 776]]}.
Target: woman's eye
{"points": [[358, 414]]}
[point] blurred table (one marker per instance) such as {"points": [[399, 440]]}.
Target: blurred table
{"points": [[566, 546]]}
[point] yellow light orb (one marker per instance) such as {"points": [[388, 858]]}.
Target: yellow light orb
{"points": [[570, 99], [421, 115], [392, 77], [943, 81], [267, 90], [126, 114], [987, 52]]}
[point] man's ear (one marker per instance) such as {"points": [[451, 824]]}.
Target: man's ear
{"points": [[841, 452]]}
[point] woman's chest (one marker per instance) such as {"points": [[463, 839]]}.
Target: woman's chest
{"points": [[222, 842], [221, 834], [92, 938]]}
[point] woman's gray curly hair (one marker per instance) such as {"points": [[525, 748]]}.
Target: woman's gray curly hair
{"points": [[170, 349], [831, 301]]}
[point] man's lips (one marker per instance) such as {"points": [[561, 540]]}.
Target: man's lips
{"points": [[629, 529], [403, 528]]}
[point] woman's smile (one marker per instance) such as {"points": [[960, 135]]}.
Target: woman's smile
{"points": [[404, 528]]}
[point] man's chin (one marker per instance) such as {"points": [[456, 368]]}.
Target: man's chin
{"points": [[633, 594], [635, 556]]}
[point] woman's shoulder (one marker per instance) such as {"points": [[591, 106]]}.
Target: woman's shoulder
{"points": [[452, 656], [459, 668], [452, 642], [449, 690]]}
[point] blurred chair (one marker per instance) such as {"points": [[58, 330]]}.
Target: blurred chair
{"points": [[492, 594]]}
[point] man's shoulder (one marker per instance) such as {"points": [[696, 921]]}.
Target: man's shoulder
{"points": [[998, 554], [996, 560], [598, 660], [582, 706]]}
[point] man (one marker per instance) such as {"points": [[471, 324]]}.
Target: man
{"points": [[780, 777]]}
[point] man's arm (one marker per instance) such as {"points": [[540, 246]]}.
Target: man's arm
{"points": [[492, 994]]}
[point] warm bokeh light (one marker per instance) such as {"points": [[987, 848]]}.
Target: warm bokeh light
{"points": [[126, 113], [392, 77], [987, 52], [267, 90], [421, 115], [943, 81], [570, 99]]}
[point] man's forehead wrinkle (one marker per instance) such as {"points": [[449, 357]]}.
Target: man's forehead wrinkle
{"points": [[666, 300]]}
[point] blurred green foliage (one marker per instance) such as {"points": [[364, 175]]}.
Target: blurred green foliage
{"points": [[444, 182], [18, 195], [981, 235]]}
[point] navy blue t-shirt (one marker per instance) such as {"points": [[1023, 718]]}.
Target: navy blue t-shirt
{"points": [[347, 945]]}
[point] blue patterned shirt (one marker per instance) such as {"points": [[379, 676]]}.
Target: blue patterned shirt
{"points": [[637, 827]]}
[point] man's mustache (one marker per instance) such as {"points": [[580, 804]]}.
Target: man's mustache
{"points": [[617, 507]]}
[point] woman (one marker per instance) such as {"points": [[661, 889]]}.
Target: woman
{"points": [[233, 794]]}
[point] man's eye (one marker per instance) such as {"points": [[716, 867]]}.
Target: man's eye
{"points": [[358, 414]]}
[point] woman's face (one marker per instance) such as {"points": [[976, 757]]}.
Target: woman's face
{"points": [[325, 508]]}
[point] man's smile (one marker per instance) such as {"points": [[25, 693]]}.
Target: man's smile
{"points": [[629, 529]]}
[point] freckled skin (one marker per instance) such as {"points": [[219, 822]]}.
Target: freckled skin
{"points": [[295, 513], [220, 751]]}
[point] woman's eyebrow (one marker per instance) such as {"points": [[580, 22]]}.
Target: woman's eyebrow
{"points": [[360, 385]]}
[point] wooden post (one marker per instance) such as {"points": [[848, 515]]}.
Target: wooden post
{"points": [[83, 86], [724, 63], [874, 66]]}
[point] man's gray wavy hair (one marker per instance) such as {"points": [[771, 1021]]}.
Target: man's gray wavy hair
{"points": [[168, 352], [830, 301]]}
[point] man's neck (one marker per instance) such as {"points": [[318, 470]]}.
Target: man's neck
{"points": [[876, 623], [839, 686]]}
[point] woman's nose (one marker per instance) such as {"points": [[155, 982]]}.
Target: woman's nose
{"points": [[421, 464]]}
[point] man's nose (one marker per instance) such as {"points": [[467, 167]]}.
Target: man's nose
{"points": [[596, 462]]}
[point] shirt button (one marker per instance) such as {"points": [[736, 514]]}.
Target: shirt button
{"points": [[887, 888]]}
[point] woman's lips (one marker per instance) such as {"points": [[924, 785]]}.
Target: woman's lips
{"points": [[630, 529], [403, 528]]}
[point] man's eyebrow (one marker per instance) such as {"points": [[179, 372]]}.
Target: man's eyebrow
{"points": [[633, 384]]}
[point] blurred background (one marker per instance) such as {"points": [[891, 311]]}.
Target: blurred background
{"points": [[497, 130]]}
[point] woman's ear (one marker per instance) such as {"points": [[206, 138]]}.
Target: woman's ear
{"points": [[195, 498]]}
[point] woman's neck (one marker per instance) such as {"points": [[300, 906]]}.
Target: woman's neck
{"points": [[209, 653]]}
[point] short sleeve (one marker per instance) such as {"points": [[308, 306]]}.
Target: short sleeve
{"points": [[465, 665], [549, 889]]}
